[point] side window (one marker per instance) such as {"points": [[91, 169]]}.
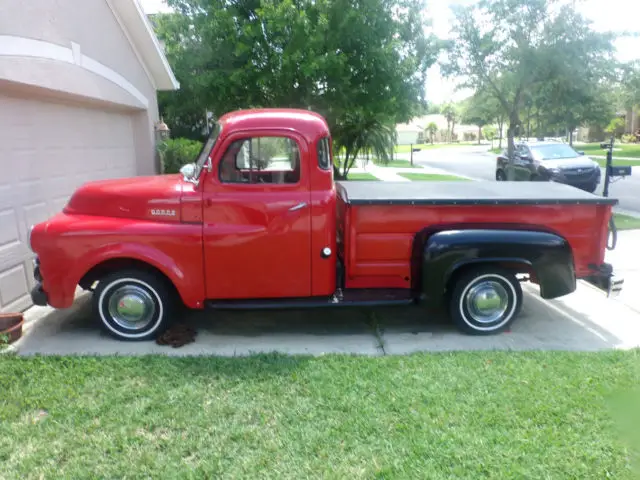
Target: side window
{"points": [[324, 157], [273, 160]]}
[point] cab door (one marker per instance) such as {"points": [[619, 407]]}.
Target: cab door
{"points": [[256, 218]]}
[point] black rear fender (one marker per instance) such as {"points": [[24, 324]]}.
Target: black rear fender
{"points": [[545, 255]]}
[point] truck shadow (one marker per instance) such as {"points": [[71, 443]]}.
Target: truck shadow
{"points": [[542, 325]]}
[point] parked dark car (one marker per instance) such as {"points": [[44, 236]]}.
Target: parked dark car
{"points": [[550, 161]]}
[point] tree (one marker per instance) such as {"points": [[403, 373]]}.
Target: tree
{"points": [[360, 64], [489, 132], [630, 83], [479, 110], [510, 47], [432, 129], [616, 127], [450, 112]]}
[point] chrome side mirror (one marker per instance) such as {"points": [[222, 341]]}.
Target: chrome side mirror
{"points": [[188, 171]]}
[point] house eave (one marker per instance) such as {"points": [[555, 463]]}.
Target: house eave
{"points": [[141, 34]]}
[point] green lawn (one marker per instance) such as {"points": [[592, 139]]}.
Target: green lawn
{"points": [[497, 151], [620, 149], [626, 222], [438, 416], [361, 176], [430, 177], [602, 162]]}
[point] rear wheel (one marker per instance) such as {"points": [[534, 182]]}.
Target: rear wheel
{"points": [[485, 300], [133, 305], [501, 176]]}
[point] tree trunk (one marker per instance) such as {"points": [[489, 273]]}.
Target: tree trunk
{"points": [[500, 125], [511, 132], [479, 133], [346, 166], [571, 137]]}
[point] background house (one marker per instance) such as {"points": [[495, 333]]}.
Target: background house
{"points": [[462, 131], [409, 134], [78, 84]]}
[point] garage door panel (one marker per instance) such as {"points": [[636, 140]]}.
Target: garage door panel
{"points": [[12, 251], [13, 284], [35, 213], [56, 205], [23, 193], [48, 150], [8, 227]]}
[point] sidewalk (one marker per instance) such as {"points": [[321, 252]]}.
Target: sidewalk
{"points": [[626, 263]]}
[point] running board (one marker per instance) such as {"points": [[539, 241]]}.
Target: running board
{"points": [[349, 298]]}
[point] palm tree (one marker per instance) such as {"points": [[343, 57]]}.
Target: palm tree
{"points": [[450, 113], [432, 129], [358, 132]]}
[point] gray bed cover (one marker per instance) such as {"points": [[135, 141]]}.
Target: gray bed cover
{"points": [[466, 193]]}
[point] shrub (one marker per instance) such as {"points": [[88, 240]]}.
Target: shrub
{"points": [[628, 138], [176, 152]]}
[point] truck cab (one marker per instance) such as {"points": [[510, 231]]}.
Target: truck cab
{"points": [[257, 221]]}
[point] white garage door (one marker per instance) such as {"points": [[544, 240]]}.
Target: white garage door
{"points": [[46, 151]]}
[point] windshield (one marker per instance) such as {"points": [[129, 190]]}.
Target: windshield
{"points": [[552, 152], [206, 150]]}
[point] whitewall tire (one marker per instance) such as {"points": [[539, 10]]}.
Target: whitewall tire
{"points": [[133, 305], [485, 300]]}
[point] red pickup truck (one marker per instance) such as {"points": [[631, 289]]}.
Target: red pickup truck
{"points": [[258, 222]]}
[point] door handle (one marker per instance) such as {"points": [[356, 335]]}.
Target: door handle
{"points": [[299, 206]]}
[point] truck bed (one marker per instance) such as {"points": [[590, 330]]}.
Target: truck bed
{"points": [[378, 221], [465, 193]]}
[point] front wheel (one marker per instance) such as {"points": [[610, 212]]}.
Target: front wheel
{"points": [[501, 176], [485, 300], [133, 305], [592, 188]]}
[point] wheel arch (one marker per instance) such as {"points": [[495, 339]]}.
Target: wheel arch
{"points": [[104, 268], [112, 260], [442, 253]]}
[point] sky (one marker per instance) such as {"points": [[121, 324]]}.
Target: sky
{"points": [[606, 15]]}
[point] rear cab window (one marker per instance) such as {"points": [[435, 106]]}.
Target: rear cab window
{"points": [[324, 155]]}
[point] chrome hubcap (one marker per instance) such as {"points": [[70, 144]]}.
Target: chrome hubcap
{"points": [[487, 301], [131, 307]]}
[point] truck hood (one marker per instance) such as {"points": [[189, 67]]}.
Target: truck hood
{"points": [[154, 198]]}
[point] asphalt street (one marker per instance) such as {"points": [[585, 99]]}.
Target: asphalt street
{"points": [[477, 163]]}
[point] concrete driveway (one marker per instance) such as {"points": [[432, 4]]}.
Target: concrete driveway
{"points": [[584, 320]]}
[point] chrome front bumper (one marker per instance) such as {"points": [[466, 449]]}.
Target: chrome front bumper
{"points": [[38, 295]]}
